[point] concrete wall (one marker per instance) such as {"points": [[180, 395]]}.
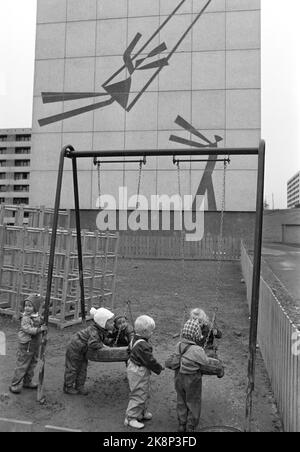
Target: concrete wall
{"points": [[273, 221], [212, 81], [291, 234]]}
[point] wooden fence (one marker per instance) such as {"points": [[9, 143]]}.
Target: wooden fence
{"points": [[277, 336], [173, 246]]}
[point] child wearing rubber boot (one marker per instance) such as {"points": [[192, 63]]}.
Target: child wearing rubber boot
{"points": [[188, 378], [29, 338], [140, 365], [91, 339], [210, 332]]}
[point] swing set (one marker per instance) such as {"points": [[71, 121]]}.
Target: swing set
{"points": [[116, 354]]}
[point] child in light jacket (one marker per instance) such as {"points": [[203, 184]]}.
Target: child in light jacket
{"points": [[188, 378], [29, 339]]}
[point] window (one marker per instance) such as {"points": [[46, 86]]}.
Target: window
{"points": [[22, 162], [3, 151], [22, 151], [2, 176], [23, 137], [21, 188], [2, 200], [3, 188], [21, 176], [3, 137], [2, 162], [20, 201]]}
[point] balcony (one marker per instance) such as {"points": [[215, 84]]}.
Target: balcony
{"points": [[15, 144]]}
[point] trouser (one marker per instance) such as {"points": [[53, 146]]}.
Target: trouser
{"points": [[189, 394], [27, 358], [139, 385], [75, 365]]}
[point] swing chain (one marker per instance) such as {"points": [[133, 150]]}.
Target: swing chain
{"points": [[221, 249], [139, 184], [99, 182], [178, 176], [220, 252], [182, 238]]}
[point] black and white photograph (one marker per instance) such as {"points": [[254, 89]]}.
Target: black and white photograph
{"points": [[149, 219]]}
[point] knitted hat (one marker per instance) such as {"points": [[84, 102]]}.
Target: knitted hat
{"points": [[192, 331], [36, 301], [101, 316]]}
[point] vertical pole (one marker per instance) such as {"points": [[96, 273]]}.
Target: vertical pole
{"points": [[255, 284], [40, 395], [78, 232]]}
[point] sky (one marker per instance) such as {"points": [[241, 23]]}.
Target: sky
{"points": [[280, 83]]}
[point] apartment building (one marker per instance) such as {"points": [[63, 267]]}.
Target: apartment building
{"points": [[15, 153], [293, 191]]}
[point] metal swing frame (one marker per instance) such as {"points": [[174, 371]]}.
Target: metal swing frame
{"points": [[69, 152]]}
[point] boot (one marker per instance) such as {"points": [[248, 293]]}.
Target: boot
{"points": [[82, 391], [15, 389], [147, 416], [134, 423], [70, 391], [30, 385]]}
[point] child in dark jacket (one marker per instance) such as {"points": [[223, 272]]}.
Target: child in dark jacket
{"points": [[29, 343], [122, 333], [91, 339], [140, 365], [188, 378]]}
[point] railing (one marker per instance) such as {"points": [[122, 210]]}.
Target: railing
{"points": [[277, 336]]}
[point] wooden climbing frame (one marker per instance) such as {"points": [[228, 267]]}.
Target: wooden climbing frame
{"points": [[24, 259]]}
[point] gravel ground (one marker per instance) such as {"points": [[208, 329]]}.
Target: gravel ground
{"points": [[157, 288]]}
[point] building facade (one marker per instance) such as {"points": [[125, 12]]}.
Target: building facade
{"points": [[15, 159], [130, 74], [293, 191]]}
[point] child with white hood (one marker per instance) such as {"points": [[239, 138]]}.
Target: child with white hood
{"points": [[92, 338]]}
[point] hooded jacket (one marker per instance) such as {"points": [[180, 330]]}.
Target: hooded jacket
{"points": [[30, 328]]}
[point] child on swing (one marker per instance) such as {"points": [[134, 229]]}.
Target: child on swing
{"points": [[29, 343], [140, 365], [122, 333], [188, 378], [91, 339], [209, 332]]}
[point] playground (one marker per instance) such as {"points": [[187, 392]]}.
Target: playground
{"points": [[158, 289]]}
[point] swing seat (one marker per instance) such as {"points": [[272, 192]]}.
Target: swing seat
{"points": [[109, 355]]}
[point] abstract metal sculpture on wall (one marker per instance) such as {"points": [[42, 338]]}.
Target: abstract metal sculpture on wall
{"points": [[206, 183], [120, 90]]}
